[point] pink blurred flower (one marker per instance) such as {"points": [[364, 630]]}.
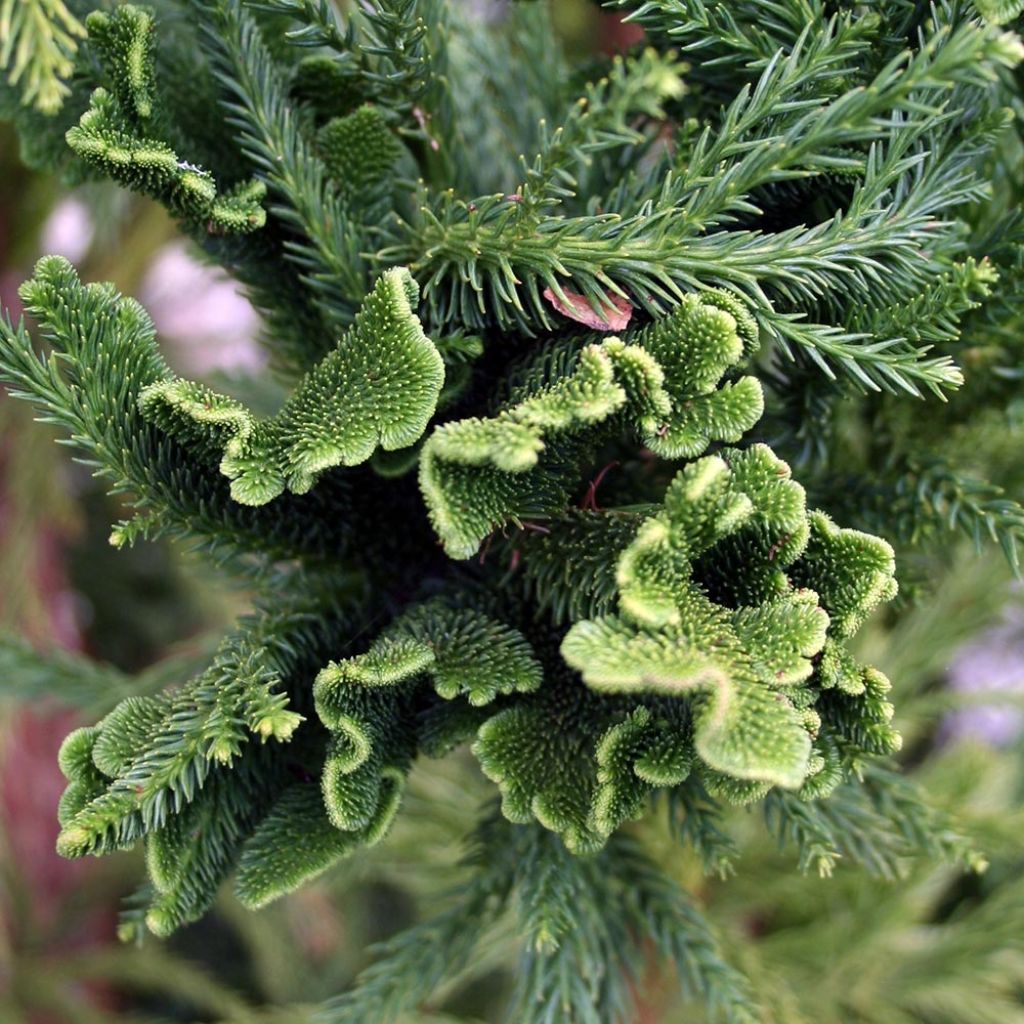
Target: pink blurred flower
{"points": [[994, 663], [201, 314], [68, 231]]}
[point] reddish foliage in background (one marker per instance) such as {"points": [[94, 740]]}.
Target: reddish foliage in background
{"points": [[32, 916], [616, 35]]}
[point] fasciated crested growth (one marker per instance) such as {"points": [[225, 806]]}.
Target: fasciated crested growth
{"points": [[377, 388], [547, 353], [124, 134], [663, 383]]}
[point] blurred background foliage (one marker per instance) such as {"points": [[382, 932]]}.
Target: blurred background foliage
{"points": [[905, 943]]}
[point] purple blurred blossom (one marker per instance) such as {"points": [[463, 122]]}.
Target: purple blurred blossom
{"points": [[486, 10], [992, 663], [201, 314], [68, 231]]}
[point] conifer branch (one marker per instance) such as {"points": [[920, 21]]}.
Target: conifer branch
{"points": [[467, 254], [415, 962], [695, 818], [922, 497], [477, 262], [477, 475], [319, 27], [736, 34], [601, 120], [175, 743], [38, 42], [880, 823], [81, 387], [650, 617], [327, 240], [120, 133]]}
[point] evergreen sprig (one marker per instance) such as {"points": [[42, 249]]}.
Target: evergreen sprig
{"points": [[519, 498], [327, 240], [122, 132], [577, 916], [925, 498], [38, 42], [103, 354]]}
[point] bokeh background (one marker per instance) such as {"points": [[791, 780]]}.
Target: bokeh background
{"points": [[913, 942]]}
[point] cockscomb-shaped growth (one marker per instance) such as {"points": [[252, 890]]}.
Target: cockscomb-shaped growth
{"points": [[662, 383], [175, 445], [482, 519], [747, 652], [377, 388], [124, 134], [671, 639], [369, 702], [725, 609], [377, 711], [693, 674]]}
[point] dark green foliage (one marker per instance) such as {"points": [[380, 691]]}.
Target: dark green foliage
{"points": [[521, 496], [577, 917], [359, 150]]}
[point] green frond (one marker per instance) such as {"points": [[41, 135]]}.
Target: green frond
{"points": [[876, 822], [393, 53], [123, 134], [934, 316], [694, 818], [198, 774], [90, 386], [927, 499], [555, 288], [669, 639], [413, 963], [273, 864], [677, 679], [604, 118], [664, 381], [599, 906], [38, 43], [378, 387], [326, 238], [464, 652], [157, 754], [739, 35], [545, 766], [478, 266], [852, 573], [319, 28]]}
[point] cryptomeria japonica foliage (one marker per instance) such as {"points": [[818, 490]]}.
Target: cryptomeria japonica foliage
{"points": [[549, 339]]}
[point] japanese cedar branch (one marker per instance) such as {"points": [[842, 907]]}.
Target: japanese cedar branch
{"points": [[471, 522], [733, 601]]}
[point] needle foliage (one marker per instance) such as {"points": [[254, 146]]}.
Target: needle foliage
{"points": [[612, 393]]}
